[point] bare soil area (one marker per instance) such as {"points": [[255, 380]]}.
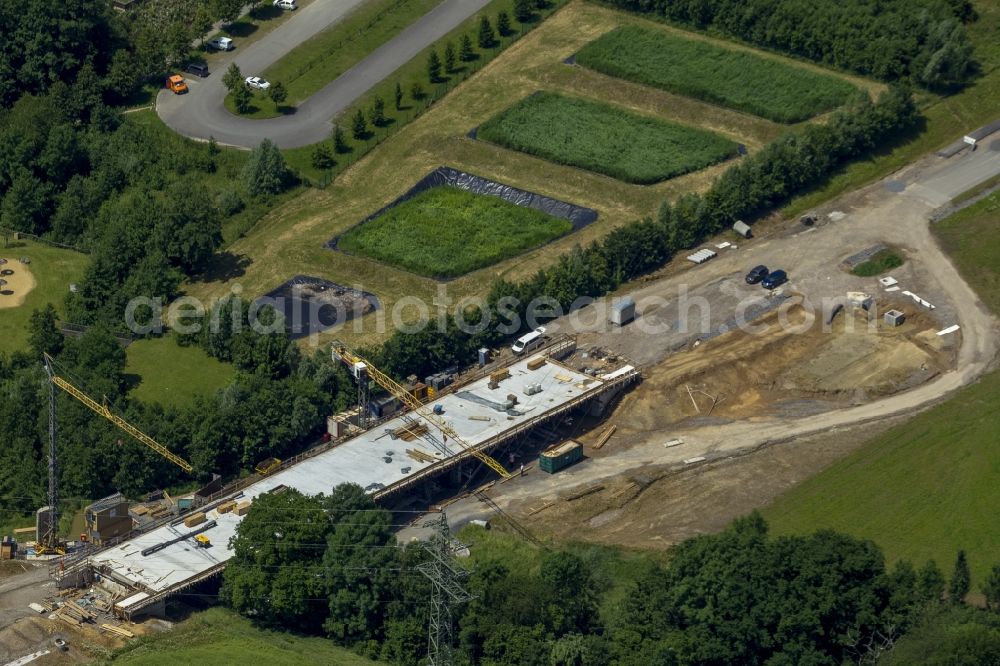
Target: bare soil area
{"points": [[793, 367], [17, 282], [657, 506]]}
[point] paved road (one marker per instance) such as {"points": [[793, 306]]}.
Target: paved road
{"points": [[878, 211], [200, 114]]}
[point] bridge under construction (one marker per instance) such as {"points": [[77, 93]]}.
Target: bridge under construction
{"points": [[484, 413]]}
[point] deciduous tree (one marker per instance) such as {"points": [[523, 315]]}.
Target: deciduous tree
{"points": [[278, 93], [265, 172]]}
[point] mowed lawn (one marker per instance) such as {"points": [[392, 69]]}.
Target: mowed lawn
{"points": [[605, 139], [971, 239], [929, 486], [728, 77], [446, 232], [219, 636], [54, 269], [173, 375]]}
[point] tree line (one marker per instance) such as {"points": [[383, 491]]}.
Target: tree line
{"points": [[923, 41], [330, 565]]}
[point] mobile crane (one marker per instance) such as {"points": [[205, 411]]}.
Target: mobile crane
{"points": [[48, 542]]}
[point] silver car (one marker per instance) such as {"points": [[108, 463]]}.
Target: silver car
{"points": [[258, 83]]}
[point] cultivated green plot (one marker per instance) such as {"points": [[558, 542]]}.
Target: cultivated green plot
{"points": [[599, 137], [732, 78], [446, 232]]}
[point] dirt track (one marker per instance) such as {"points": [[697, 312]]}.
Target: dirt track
{"points": [[874, 214]]}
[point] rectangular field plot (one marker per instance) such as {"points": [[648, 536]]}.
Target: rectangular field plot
{"points": [[735, 79], [604, 139], [445, 232]]}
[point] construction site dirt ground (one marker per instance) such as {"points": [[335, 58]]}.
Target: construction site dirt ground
{"points": [[659, 506]]}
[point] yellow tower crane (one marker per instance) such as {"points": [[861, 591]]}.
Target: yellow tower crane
{"points": [[362, 369], [103, 410], [49, 543]]}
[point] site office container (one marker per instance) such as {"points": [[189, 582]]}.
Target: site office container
{"points": [[561, 456]]}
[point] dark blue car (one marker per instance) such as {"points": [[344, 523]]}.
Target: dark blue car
{"points": [[774, 279]]}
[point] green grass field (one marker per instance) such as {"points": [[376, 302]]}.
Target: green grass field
{"points": [[174, 375], [928, 487], [605, 139], [728, 77], [54, 269], [219, 636], [922, 490], [447, 232], [880, 263], [971, 239]]}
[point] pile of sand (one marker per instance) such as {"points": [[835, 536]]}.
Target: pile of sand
{"points": [[18, 285]]}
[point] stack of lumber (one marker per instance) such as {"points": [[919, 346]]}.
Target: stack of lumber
{"points": [[536, 363], [74, 613], [194, 519], [226, 507], [242, 508], [409, 432], [115, 629], [605, 436], [577, 494], [420, 456]]}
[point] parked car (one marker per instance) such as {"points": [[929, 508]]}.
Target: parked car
{"points": [[285, 4], [258, 83], [176, 84], [197, 68], [756, 274], [529, 341], [774, 279], [222, 44]]}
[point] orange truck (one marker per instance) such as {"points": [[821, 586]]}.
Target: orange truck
{"points": [[176, 84]]}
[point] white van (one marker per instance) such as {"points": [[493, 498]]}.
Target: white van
{"points": [[529, 341], [221, 44]]}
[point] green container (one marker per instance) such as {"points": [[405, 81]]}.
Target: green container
{"points": [[561, 456]]}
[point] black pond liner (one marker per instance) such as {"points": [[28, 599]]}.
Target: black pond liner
{"points": [[7, 292], [578, 216], [303, 314]]}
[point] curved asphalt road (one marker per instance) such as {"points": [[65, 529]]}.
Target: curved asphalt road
{"points": [[200, 114]]}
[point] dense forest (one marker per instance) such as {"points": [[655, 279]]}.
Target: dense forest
{"points": [[920, 40], [147, 205], [738, 597], [276, 406]]}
